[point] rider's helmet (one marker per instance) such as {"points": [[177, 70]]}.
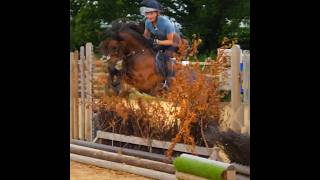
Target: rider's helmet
{"points": [[150, 6]]}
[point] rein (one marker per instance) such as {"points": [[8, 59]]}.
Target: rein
{"points": [[134, 53]]}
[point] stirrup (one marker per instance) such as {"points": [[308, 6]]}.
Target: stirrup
{"points": [[165, 85]]}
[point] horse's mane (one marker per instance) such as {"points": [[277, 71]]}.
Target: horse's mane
{"points": [[113, 27], [118, 24], [139, 37], [135, 29]]}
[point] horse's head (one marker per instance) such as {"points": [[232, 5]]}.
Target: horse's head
{"points": [[111, 48]]}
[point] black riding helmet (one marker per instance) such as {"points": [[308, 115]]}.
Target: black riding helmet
{"points": [[150, 5]]}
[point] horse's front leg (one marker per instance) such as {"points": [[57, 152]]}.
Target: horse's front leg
{"points": [[113, 79]]}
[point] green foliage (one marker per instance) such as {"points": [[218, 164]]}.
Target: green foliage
{"points": [[208, 18], [204, 56]]}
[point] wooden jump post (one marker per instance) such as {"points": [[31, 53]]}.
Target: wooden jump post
{"points": [[246, 92], [74, 94], [71, 99], [88, 74], [81, 79], [237, 109]]}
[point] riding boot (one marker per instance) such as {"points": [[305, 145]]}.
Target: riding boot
{"points": [[169, 73]]}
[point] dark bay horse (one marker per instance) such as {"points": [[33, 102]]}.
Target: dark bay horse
{"points": [[139, 64]]}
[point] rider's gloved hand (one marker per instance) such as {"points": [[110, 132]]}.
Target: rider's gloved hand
{"points": [[155, 42]]}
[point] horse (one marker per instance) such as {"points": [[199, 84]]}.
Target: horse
{"points": [[140, 65]]}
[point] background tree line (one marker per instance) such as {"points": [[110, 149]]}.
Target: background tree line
{"points": [[211, 19]]}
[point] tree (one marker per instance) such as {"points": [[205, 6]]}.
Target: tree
{"points": [[84, 23], [211, 19]]}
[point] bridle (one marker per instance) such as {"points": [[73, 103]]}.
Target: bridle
{"points": [[134, 53]]}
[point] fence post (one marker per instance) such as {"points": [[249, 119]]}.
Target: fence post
{"points": [[82, 102], [237, 119], [235, 77], [75, 94], [246, 119], [246, 92], [88, 71], [71, 96], [246, 77]]}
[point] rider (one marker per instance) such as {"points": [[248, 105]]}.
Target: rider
{"points": [[161, 31]]}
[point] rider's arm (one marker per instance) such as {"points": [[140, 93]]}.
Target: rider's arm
{"points": [[168, 41], [169, 31]]}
